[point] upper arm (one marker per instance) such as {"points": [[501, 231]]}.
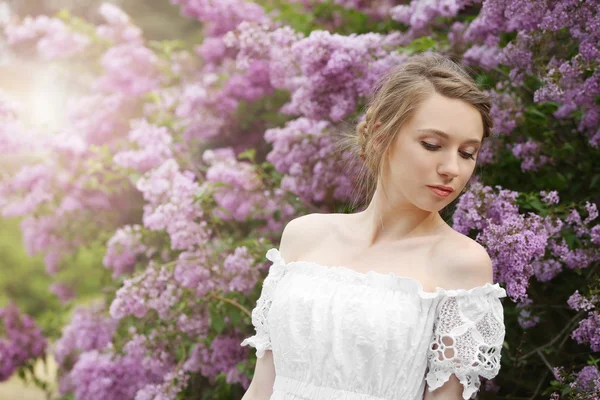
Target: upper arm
{"points": [[470, 266]]}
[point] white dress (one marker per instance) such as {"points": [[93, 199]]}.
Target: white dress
{"points": [[340, 334]]}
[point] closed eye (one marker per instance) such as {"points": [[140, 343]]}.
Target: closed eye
{"points": [[432, 147]]}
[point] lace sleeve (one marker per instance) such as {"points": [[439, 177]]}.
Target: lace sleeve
{"points": [[261, 341], [467, 340]]}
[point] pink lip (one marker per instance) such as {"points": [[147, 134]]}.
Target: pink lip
{"points": [[439, 192]]}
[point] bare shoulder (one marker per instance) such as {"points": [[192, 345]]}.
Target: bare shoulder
{"points": [[301, 232], [462, 263]]}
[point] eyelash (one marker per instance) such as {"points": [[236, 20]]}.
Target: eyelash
{"points": [[431, 147]]}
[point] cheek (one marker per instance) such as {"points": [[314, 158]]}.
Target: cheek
{"points": [[411, 166]]}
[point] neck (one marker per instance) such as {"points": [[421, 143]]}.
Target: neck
{"points": [[384, 221]]}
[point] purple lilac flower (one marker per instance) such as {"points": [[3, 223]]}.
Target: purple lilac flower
{"points": [[89, 329], [551, 197], [513, 244], [506, 111], [588, 331], [53, 38], [123, 250], [63, 291], [154, 289], [222, 16], [221, 357], [529, 153], [153, 147], [21, 340], [173, 383], [99, 376], [577, 302], [304, 150], [172, 206], [546, 270], [140, 76], [419, 14], [480, 205], [118, 27], [586, 377], [525, 318]]}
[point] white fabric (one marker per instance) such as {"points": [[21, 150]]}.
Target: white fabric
{"points": [[337, 333]]}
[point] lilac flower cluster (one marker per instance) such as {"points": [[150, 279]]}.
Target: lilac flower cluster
{"points": [[171, 205], [239, 191], [153, 147], [506, 111], [529, 153], [140, 76], [513, 244], [588, 379], [195, 325], [100, 118], [480, 205], [375, 9], [535, 22], [242, 193], [325, 73], [517, 243], [233, 272], [123, 250], [107, 375], [338, 70], [52, 37], [223, 16], [547, 269], [63, 291], [21, 340], [418, 15], [154, 289], [578, 302], [525, 318], [551, 197], [173, 383], [118, 27], [588, 331], [89, 329], [305, 151], [221, 357]]}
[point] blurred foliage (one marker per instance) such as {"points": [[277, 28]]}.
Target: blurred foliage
{"points": [[24, 281]]}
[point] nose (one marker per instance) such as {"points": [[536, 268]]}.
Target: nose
{"points": [[449, 166]]}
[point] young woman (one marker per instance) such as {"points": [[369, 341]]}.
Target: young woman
{"points": [[390, 302]]}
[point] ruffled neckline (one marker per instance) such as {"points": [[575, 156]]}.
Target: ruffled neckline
{"points": [[382, 280]]}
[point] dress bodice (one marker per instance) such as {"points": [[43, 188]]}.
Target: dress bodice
{"points": [[337, 333]]}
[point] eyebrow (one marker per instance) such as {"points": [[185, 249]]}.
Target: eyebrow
{"points": [[446, 136]]}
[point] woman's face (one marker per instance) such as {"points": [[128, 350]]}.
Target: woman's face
{"points": [[437, 146]]}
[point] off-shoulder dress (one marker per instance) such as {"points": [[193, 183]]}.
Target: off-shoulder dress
{"points": [[337, 333]]}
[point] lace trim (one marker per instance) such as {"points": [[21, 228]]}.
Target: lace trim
{"points": [[390, 280], [261, 341], [467, 342]]}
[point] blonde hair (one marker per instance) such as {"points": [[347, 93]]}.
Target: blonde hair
{"points": [[394, 99]]}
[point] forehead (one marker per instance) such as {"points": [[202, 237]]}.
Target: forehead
{"points": [[459, 119]]}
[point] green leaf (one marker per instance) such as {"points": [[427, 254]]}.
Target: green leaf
{"points": [[420, 44], [248, 154], [536, 204], [218, 324]]}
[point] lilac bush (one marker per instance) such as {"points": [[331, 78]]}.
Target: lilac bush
{"points": [[189, 162]]}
